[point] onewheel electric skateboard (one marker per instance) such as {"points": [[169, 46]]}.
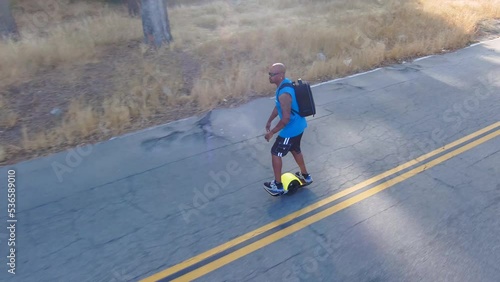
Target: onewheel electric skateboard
{"points": [[290, 184]]}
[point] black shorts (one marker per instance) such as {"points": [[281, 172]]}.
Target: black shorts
{"points": [[282, 145]]}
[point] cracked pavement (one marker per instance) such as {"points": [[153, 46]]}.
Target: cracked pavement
{"points": [[137, 204]]}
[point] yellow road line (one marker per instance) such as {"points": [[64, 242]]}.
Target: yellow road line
{"points": [[327, 212], [196, 259]]}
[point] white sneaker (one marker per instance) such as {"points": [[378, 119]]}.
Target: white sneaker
{"points": [[273, 188], [307, 180]]}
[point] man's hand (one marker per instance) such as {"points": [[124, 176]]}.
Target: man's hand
{"points": [[269, 135]]}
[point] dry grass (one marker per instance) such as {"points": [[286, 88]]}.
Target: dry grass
{"points": [[352, 36], [142, 94], [79, 123], [8, 118], [64, 43], [231, 43], [3, 154]]}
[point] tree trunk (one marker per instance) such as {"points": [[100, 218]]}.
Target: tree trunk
{"points": [[155, 22], [8, 27], [134, 7]]}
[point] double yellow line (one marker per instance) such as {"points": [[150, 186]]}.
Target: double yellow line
{"points": [[213, 265]]}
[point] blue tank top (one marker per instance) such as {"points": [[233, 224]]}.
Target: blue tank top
{"points": [[297, 124]]}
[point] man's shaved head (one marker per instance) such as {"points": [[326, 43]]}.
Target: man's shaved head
{"points": [[278, 67], [277, 73]]}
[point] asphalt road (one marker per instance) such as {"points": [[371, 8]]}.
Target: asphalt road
{"points": [[405, 161]]}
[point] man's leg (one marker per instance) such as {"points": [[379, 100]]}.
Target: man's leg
{"points": [[277, 165], [299, 159], [280, 148], [297, 154]]}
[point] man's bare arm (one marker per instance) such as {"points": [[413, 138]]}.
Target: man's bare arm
{"points": [[286, 108]]}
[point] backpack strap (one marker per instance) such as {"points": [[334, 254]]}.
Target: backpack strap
{"points": [[287, 84]]}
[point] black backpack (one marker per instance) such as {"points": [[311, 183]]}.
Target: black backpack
{"points": [[304, 98]]}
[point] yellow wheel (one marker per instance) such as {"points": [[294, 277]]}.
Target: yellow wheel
{"points": [[290, 182]]}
